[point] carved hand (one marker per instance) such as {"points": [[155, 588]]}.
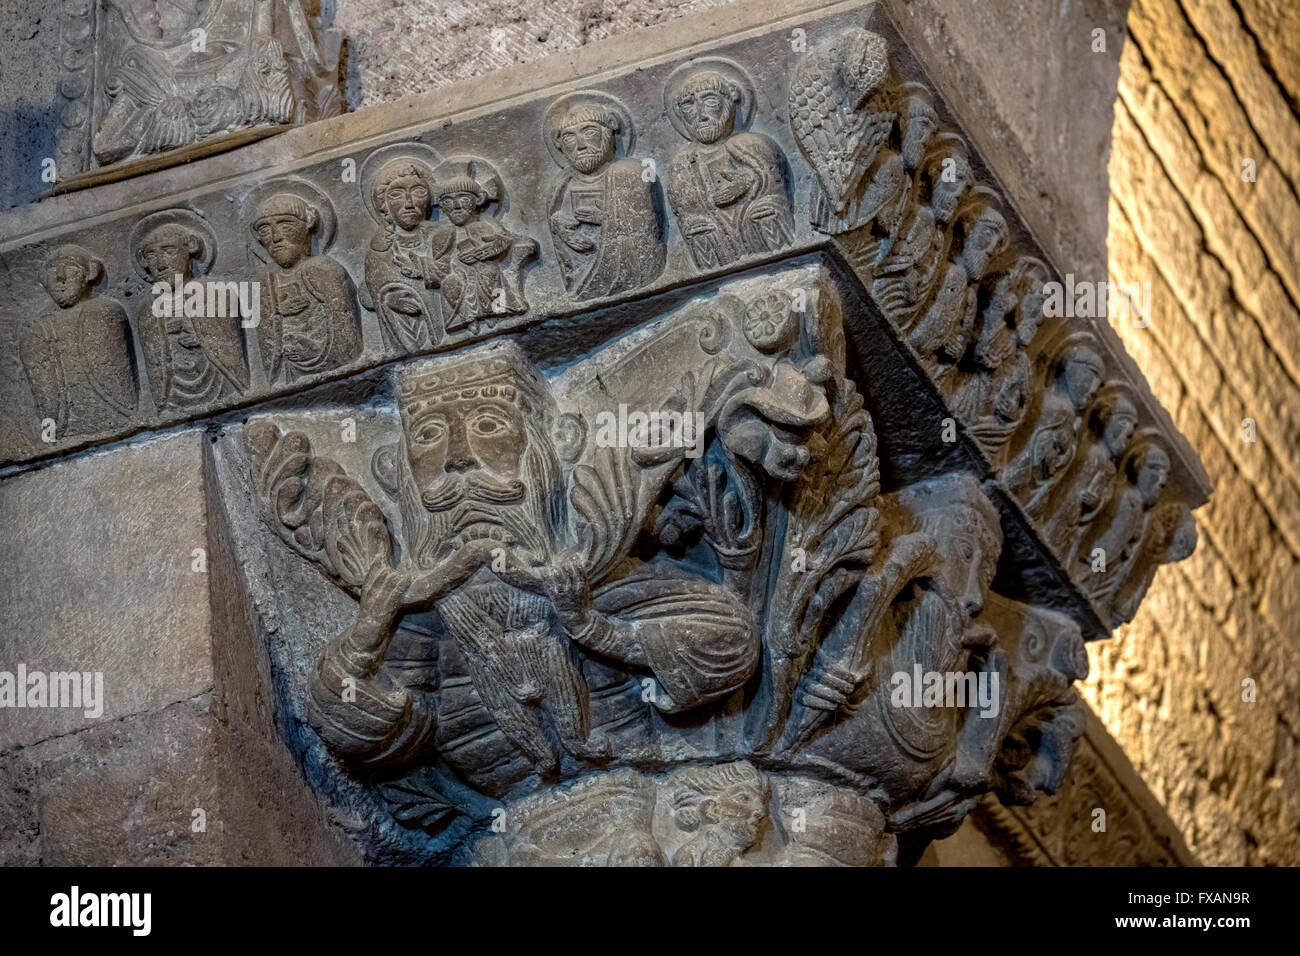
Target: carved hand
{"points": [[452, 572], [834, 691], [404, 301], [381, 600], [566, 227], [562, 582]]}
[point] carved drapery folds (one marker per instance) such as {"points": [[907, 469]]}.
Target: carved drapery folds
{"points": [[642, 584], [1052, 416], [172, 75]]}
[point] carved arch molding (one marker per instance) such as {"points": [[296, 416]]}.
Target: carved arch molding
{"points": [[611, 472]]}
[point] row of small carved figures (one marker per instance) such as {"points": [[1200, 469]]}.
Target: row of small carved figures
{"points": [[935, 251], [424, 277], [933, 246]]}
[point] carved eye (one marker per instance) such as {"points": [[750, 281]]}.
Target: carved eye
{"points": [[489, 426], [429, 433], [419, 193]]}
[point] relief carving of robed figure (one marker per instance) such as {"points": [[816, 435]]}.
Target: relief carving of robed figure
{"points": [[79, 359], [603, 216], [309, 319], [727, 189]]}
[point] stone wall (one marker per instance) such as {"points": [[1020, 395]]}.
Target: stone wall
{"points": [[1208, 89]]}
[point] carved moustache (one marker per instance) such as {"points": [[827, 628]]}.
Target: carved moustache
{"points": [[450, 490]]}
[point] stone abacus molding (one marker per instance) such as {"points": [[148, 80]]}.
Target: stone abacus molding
{"points": [[832, 283]]}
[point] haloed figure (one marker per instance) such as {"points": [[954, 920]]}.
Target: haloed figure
{"points": [[727, 189], [194, 353], [78, 358], [480, 263], [603, 219], [309, 320]]}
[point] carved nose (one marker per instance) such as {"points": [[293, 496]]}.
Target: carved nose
{"points": [[974, 606], [460, 462]]}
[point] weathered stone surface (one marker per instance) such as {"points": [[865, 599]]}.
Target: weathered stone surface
{"points": [[97, 573], [1200, 88]]}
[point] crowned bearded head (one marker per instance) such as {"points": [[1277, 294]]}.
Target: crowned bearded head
{"points": [[476, 458]]}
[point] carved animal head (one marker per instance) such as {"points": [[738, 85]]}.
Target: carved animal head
{"points": [[866, 64]]}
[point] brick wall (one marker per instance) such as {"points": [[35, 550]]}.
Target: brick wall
{"points": [[1205, 86]]}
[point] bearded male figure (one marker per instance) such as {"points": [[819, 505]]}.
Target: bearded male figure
{"points": [[489, 568], [603, 220], [727, 189]]}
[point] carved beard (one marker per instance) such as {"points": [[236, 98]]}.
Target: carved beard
{"points": [[465, 507], [519, 664], [528, 513]]}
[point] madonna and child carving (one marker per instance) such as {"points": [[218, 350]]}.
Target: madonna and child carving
{"points": [[605, 213], [474, 263], [310, 321], [729, 190], [582, 612]]}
